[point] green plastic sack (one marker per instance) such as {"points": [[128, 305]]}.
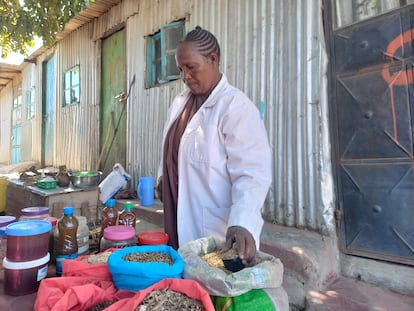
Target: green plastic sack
{"points": [[253, 300], [267, 274]]}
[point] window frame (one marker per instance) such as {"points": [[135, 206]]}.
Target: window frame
{"points": [[159, 58], [30, 103], [71, 85]]}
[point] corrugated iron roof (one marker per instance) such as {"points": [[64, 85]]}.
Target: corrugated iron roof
{"points": [[8, 73]]}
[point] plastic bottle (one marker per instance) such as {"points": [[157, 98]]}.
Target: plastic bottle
{"points": [[82, 236], [67, 246], [109, 218], [127, 216]]}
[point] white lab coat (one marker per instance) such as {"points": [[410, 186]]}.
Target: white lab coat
{"points": [[224, 165]]}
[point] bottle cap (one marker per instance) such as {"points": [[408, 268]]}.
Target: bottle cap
{"points": [[128, 206], [110, 203], [68, 210]]}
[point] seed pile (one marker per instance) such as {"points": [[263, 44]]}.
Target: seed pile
{"points": [[215, 259], [149, 257], [98, 258], [168, 300], [100, 306]]}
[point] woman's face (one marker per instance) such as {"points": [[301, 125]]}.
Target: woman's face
{"points": [[200, 73]]}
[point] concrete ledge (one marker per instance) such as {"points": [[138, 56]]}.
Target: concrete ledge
{"points": [[311, 257]]}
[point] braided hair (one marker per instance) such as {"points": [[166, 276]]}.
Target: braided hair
{"points": [[204, 40]]}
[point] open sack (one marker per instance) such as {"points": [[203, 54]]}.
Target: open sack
{"points": [[188, 287], [266, 274], [75, 293]]}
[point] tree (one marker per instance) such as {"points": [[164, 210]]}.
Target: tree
{"points": [[20, 24]]}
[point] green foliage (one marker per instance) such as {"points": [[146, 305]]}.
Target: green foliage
{"points": [[44, 19]]}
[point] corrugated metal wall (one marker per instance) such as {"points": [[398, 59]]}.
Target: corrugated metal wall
{"points": [[6, 105], [272, 50], [78, 125]]}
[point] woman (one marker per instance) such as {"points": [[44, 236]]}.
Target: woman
{"points": [[216, 157]]}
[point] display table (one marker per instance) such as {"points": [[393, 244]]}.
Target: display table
{"points": [[84, 200]]}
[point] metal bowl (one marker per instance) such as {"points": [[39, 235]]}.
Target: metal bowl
{"points": [[85, 179]]}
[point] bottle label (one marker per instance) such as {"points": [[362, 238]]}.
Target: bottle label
{"points": [[59, 259], [41, 273]]}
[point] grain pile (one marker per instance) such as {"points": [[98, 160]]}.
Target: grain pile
{"points": [[98, 258], [215, 259], [168, 300], [149, 257]]}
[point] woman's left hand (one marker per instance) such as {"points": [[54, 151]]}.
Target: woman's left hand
{"points": [[245, 243]]}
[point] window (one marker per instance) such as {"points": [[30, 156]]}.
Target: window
{"points": [[30, 103], [161, 46], [350, 11], [72, 86]]}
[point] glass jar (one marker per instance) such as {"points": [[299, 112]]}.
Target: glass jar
{"points": [[118, 236], [31, 213], [83, 236]]}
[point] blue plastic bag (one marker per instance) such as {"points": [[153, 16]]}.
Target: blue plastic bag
{"points": [[135, 276]]}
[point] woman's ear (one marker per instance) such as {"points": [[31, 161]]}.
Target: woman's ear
{"points": [[213, 57]]}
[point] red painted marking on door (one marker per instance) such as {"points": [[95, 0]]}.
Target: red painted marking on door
{"points": [[398, 78]]}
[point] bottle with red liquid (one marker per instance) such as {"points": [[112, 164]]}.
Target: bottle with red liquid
{"points": [[127, 217]]}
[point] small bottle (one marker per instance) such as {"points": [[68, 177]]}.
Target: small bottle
{"points": [[109, 218], [127, 217], [118, 237], [67, 245]]}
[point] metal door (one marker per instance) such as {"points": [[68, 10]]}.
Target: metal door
{"points": [[373, 111], [48, 111], [113, 107]]}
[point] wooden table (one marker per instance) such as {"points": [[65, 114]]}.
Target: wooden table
{"points": [[84, 200]]}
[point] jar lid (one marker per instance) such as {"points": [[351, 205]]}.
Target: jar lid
{"points": [[119, 232], [35, 211], [28, 227], [20, 265], [152, 238], [5, 220]]}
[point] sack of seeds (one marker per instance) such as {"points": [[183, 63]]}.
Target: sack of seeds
{"points": [[203, 264], [137, 267], [93, 266], [73, 293], [167, 294]]}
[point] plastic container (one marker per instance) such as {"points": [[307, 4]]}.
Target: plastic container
{"points": [[23, 278], [109, 217], [82, 236], [152, 238], [67, 244], [118, 237], [4, 221], [32, 213], [127, 217], [28, 240], [3, 193]]}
